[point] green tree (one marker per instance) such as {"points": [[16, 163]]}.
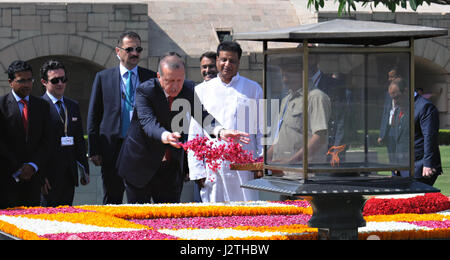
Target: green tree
{"points": [[349, 5]]}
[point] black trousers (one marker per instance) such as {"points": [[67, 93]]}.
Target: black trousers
{"points": [[165, 186], [23, 193], [113, 188], [62, 190]]}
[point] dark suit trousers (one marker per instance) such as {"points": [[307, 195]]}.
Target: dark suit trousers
{"points": [[113, 187], [62, 190], [165, 186], [24, 193]]}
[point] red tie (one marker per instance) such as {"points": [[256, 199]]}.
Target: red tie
{"points": [[24, 114], [170, 99], [167, 155]]}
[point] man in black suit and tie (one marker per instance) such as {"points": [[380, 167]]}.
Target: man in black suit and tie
{"points": [[150, 161], [25, 140], [110, 109], [70, 148]]}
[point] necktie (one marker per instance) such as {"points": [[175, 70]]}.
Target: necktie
{"points": [[167, 155], [24, 114], [130, 90], [170, 100], [62, 113], [127, 105]]}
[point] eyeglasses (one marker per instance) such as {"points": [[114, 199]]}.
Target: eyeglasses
{"points": [[24, 81], [130, 49], [57, 80]]}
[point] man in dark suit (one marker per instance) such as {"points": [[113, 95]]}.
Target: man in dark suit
{"points": [[387, 132], [70, 148], [149, 162], [25, 146], [110, 109], [426, 141], [399, 125]]}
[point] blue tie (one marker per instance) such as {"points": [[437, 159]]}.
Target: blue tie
{"points": [[130, 90], [128, 105]]}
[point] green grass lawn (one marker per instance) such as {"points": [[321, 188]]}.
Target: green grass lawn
{"points": [[443, 181]]}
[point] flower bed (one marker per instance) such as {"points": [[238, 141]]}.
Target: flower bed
{"points": [[418, 217]]}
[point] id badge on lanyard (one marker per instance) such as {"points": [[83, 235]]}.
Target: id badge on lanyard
{"points": [[66, 140]]}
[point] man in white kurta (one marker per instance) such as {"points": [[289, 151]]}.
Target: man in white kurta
{"points": [[233, 101]]}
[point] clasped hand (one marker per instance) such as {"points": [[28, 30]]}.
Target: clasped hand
{"points": [[27, 171]]}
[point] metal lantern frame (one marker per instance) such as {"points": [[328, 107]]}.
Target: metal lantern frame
{"points": [[338, 202], [359, 37]]}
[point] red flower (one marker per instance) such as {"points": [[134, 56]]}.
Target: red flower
{"points": [[214, 154], [428, 203]]}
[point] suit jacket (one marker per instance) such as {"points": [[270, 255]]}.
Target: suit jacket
{"points": [[143, 150], [401, 140], [384, 123], [17, 149], [426, 141], [104, 115], [67, 157]]}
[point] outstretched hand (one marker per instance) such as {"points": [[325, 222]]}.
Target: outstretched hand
{"points": [[235, 135]]}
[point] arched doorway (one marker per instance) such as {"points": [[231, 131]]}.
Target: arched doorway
{"points": [[81, 74]]}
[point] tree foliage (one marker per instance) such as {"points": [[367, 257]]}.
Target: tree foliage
{"points": [[350, 5]]}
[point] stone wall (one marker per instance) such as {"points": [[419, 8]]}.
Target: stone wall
{"points": [[88, 31]]}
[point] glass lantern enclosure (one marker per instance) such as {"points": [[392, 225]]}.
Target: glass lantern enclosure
{"points": [[337, 111], [339, 100]]}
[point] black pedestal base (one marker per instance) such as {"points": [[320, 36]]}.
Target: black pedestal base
{"points": [[337, 217], [338, 204]]}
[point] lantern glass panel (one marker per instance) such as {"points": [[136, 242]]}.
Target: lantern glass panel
{"points": [[358, 109]]}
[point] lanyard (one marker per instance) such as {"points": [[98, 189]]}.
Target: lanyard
{"points": [[66, 121]]}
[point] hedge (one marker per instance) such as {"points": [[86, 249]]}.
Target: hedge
{"points": [[444, 137]]}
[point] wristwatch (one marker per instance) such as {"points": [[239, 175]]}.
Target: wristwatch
{"points": [[218, 133]]}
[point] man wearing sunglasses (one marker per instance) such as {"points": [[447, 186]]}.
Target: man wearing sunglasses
{"points": [[68, 141], [110, 109], [25, 140]]}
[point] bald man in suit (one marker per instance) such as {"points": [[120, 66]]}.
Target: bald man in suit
{"points": [[151, 161]]}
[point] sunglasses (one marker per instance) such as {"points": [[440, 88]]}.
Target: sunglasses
{"points": [[57, 80], [24, 81], [130, 49]]}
